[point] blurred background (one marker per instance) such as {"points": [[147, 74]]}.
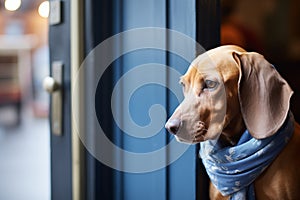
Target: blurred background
{"points": [[24, 129], [270, 27]]}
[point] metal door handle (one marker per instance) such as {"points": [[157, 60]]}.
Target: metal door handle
{"points": [[53, 85], [50, 85]]}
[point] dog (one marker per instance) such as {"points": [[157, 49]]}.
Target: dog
{"points": [[230, 95]]}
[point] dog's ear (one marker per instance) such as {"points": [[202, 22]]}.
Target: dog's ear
{"points": [[263, 94]]}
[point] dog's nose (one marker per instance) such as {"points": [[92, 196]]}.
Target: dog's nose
{"points": [[173, 125]]}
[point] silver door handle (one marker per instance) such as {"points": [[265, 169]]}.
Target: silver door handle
{"points": [[50, 84], [53, 85]]}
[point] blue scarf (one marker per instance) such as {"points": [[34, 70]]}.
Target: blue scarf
{"points": [[233, 169]]}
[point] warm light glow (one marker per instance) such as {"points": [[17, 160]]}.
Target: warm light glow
{"points": [[44, 9], [12, 5]]}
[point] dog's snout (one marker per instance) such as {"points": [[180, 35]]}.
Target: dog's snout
{"points": [[173, 125]]}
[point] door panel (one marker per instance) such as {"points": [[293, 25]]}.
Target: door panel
{"points": [[136, 185], [98, 26], [61, 173], [137, 14]]}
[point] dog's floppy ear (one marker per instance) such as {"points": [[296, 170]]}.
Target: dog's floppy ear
{"points": [[263, 94]]}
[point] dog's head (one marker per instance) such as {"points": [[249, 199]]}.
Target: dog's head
{"points": [[226, 84]]}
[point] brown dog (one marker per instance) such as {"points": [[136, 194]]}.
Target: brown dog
{"points": [[228, 90]]}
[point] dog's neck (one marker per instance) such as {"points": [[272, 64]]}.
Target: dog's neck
{"points": [[233, 131]]}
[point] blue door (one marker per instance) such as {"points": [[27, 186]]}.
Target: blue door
{"points": [[134, 52]]}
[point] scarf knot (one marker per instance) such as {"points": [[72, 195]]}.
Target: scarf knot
{"points": [[233, 169]]}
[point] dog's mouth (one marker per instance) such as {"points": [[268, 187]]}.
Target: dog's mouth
{"points": [[197, 134], [200, 132]]}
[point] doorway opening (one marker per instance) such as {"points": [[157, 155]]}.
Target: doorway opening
{"points": [[24, 129]]}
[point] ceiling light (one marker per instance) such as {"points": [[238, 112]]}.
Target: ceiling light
{"points": [[44, 9], [12, 5]]}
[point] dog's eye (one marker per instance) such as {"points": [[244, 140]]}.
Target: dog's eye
{"points": [[209, 84]]}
